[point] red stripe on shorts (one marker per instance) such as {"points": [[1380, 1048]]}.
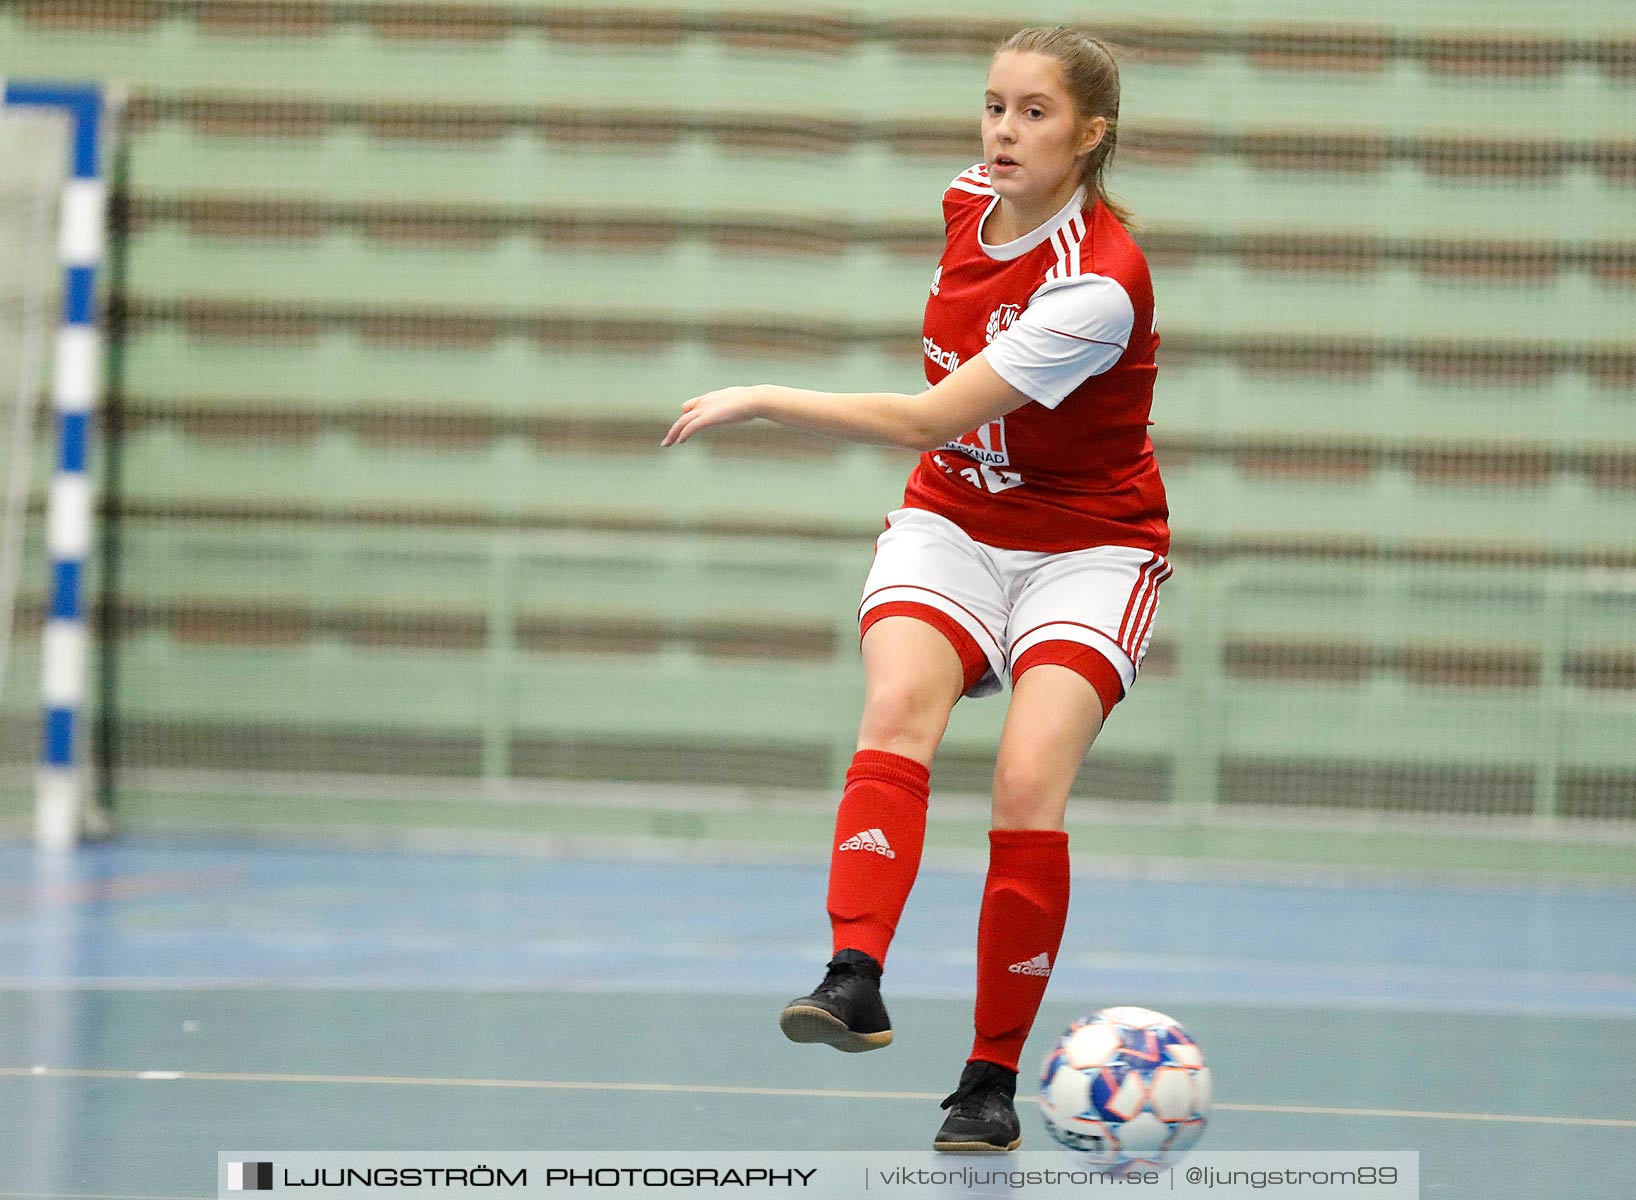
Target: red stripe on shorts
{"points": [[915, 587], [1152, 607], [1135, 594]]}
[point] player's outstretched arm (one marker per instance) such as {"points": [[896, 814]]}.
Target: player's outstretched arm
{"points": [[962, 401]]}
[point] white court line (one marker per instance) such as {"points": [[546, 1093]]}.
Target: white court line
{"points": [[565, 1085], [93, 1196], [1618, 1006]]}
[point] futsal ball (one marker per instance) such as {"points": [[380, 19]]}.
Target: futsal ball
{"points": [[1124, 1087]]}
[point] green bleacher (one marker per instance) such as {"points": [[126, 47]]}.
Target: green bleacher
{"points": [[410, 291]]}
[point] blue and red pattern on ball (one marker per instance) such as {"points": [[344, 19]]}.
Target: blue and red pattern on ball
{"points": [[1127, 1092]]}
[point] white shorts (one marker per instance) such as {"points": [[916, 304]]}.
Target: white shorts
{"points": [[1010, 600]]}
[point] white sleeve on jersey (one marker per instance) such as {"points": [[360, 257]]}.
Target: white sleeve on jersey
{"points": [[1072, 329]]}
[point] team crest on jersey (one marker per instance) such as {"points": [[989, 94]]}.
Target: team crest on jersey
{"points": [[937, 279], [1000, 320]]}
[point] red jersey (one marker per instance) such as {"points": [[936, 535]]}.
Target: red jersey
{"points": [[1064, 314]]}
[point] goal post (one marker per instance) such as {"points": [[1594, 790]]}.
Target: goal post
{"points": [[61, 782]]}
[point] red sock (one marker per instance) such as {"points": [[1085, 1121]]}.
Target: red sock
{"points": [[879, 831], [1025, 905]]}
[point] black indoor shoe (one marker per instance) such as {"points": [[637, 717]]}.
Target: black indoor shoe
{"points": [[984, 1116], [845, 1010]]}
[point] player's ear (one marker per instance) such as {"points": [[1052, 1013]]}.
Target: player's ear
{"points": [[1094, 132]]}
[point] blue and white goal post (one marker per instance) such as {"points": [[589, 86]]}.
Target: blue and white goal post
{"points": [[63, 780]]}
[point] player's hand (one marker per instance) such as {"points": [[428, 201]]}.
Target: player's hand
{"points": [[724, 407]]}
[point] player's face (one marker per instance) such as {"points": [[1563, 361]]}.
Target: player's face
{"points": [[1033, 139]]}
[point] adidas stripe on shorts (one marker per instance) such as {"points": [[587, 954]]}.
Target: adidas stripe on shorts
{"points": [[1105, 597]]}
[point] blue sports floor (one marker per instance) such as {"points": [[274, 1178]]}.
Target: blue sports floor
{"points": [[161, 1003]]}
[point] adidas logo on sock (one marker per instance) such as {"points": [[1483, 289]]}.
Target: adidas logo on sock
{"points": [[1040, 964], [870, 839]]}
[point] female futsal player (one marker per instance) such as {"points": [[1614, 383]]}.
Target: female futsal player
{"points": [[1031, 540]]}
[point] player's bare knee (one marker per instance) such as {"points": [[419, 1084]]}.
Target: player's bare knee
{"points": [[904, 713], [1026, 797], [898, 721]]}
